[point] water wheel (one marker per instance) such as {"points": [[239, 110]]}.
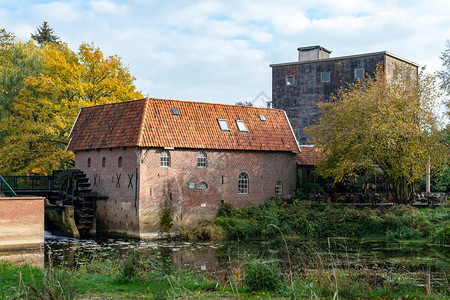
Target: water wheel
{"points": [[72, 188]]}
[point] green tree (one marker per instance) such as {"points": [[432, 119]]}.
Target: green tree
{"points": [[44, 34], [17, 61], [43, 111], [444, 74], [381, 124]]}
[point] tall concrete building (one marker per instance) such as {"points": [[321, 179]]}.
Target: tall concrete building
{"points": [[298, 86]]}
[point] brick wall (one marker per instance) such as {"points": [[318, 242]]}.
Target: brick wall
{"points": [[157, 186], [21, 222], [189, 206], [119, 213]]}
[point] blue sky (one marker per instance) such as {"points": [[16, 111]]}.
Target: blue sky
{"points": [[220, 51]]}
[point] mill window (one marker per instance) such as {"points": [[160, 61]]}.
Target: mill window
{"points": [[278, 188], [325, 76], [201, 160], [290, 80], [243, 183], [165, 159]]}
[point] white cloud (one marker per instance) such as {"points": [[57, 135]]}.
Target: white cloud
{"points": [[107, 7], [57, 11], [221, 50]]}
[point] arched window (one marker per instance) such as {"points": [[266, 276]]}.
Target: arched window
{"points": [[89, 162], [120, 162], [243, 183], [202, 186], [104, 162], [278, 188], [201, 160], [165, 159]]}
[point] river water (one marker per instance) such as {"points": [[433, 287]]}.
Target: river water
{"points": [[410, 261]]}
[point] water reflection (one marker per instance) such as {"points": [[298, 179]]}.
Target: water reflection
{"points": [[395, 259]]}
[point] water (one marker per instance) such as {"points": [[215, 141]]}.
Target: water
{"points": [[410, 261]]}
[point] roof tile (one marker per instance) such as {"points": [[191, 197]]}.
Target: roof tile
{"points": [[151, 123]]}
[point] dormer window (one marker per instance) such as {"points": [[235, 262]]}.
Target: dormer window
{"points": [[262, 117], [175, 111], [241, 126], [223, 125]]}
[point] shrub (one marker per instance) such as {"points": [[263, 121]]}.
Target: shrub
{"points": [[261, 276], [227, 210], [442, 236], [204, 231]]}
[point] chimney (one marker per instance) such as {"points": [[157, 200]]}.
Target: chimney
{"points": [[312, 53]]}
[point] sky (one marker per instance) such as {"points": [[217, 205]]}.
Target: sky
{"points": [[220, 51]]}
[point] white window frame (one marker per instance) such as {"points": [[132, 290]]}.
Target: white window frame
{"points": [[223, 125], [241, 126], [278, 188], [243, 183], [290, 80], [323, 73], [165, 159], [201, 159], [356, 71]]}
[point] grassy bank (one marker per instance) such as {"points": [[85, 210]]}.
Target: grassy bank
{"points": [[277, 217]]}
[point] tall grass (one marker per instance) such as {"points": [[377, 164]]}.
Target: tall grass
{"points": [[296, 219]]}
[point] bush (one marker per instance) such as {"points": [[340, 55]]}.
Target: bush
{"points": [[204, 231], [261, 276], [227, 210], [442, 236]]}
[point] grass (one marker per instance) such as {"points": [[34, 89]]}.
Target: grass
{"points": [[310, 273]]}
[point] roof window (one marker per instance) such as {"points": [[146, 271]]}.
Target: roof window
{"points": [[223, 125], [241, 126], [262, 117], [175, 111]]}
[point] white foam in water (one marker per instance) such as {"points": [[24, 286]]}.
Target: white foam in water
{"points": [[50, 236]]}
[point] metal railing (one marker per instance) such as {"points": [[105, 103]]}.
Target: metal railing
{"points": [[7, 188], [28, 183]]}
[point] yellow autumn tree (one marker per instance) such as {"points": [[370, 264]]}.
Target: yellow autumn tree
{"points": [[35, 133], [384, 125]]}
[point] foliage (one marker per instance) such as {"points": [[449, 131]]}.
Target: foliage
{"points": [[261, 276], [203, 231], [383, 122], [165, 223], [42, 90], [442, 235], [44, 34], [444, 74], [296, 219]]}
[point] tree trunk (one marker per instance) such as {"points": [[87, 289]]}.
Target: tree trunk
{"points": [[402, 191]]}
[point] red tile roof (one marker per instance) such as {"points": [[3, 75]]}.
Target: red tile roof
{"points": [[308, 156], [151, 123]]}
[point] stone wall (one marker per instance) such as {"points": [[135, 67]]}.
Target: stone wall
{"points": [[300, 99], [21, 222]]}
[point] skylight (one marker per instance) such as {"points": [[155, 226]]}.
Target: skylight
{"points": [[241, 126], [262, 117], [175, 111], [223, 125]]}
